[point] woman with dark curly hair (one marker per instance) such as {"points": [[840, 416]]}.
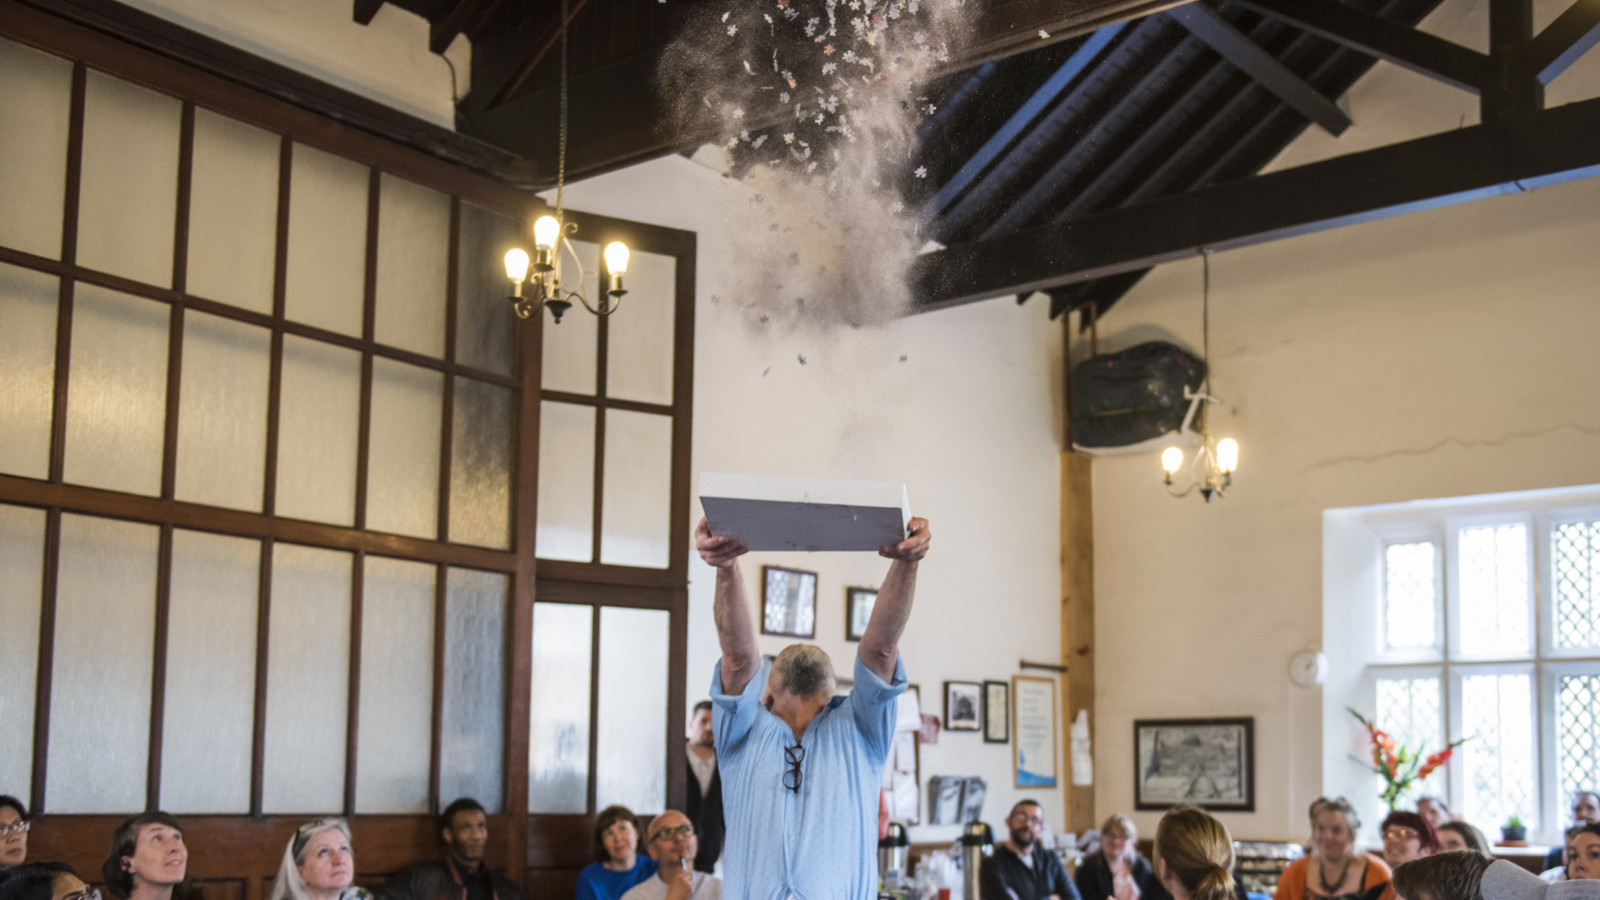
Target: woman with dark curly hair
{"points": [[618, 865], [44, 881], [148, 859]]}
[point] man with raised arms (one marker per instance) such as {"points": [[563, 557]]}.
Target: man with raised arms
{"points": [[801, 767]]}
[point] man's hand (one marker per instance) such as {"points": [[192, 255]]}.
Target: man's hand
{"points": [[912, 549], [679, 886], [719, 551]]}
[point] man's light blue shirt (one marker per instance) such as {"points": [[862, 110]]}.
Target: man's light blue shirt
{"points": [[820, 843]]}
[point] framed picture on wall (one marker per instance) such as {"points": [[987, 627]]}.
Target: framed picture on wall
{"points": [[1034, 752], [996, 712], [788, 602], [858, 602], [1208, 763], [963, 706]]}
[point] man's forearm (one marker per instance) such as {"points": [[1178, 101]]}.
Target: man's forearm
{"points": [[736, 633], [880, 644]]}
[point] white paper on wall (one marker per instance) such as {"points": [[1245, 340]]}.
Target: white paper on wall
{"points": [[1082, 753], [908, 711]]}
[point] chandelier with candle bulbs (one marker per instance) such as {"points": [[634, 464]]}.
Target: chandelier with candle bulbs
{"points": [[536, 280], [1210, 469]]}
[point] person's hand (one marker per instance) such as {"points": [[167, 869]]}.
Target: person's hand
{"points": [[720, 551], [679, 886], [913, 548]]}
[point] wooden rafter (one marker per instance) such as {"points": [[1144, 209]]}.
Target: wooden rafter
{"points": [[1571, 35]]}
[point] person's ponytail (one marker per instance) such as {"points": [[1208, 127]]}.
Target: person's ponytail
{"points": [[1198, 852]]}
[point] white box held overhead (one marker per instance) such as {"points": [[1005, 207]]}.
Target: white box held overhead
{"points": [[775, 513]]}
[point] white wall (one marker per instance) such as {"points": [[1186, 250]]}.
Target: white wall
{"points": [[968, 419], [387, 61], [1439, 354]]}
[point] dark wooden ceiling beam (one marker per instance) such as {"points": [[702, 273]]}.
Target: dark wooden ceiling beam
{"points": [[1011, 28], [365, 10], [1546, 147], [1562, 42], [1237, 48], [1402, 45], [460, 16], [515, 85]]}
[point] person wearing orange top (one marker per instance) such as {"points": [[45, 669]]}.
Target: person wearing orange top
{"points": [[1333, 871]]}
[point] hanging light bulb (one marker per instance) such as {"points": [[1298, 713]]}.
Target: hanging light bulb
{"points": [[616, 263], [546, 229], [1227, 455], [1171, 461], [517, 269]]}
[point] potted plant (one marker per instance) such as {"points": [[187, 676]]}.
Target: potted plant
{"points": [[1514, 832], [1399, 766]]}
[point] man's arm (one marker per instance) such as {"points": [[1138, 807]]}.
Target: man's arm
{"points": [[880, 643], [740, 657]]}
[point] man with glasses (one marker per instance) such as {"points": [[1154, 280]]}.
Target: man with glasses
{"points": [[801, 767], [1020, 868], [671, 841]]}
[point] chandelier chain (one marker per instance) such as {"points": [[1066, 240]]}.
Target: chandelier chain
{"points": [[1205, 313], [561, 153]]}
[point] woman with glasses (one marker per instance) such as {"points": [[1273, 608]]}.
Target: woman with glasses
{"points": [[13, 832], [319, 864], [618, 865], [1407, 836], [44, 881], [1117, 871], [148, 859], [1333, 870]]}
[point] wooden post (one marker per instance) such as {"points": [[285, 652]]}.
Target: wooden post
{"points": [[1077, 602]]}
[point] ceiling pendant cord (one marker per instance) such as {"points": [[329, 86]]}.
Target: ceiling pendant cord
{"points": [[1205, 314], [561, 153]]}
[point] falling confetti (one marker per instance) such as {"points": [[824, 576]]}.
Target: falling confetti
{"points": [[922, 172], [1044, 35]]}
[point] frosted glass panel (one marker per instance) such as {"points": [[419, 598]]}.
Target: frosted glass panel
{"points": [[640, 338], [403, 462], [638, 489], [413, 266], [208, 722], [117, 398], [326, 279], [33, 143], [631, 764], [101, 677], [480, 464], [572, 349], [566, 482], [308, 680], [27, 380], [233, 212], [128, 201], [21, 578], [558, 755], [485, 327], [318, 428], [472, 749], [395, 743], [222, 412]]}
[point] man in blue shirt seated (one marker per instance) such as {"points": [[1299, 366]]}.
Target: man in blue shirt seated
{"points": [[1020, 869], [800, 767]]}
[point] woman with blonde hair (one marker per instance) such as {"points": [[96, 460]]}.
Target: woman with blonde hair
{"points": [[1194, 855], [1117, 871], [1334, 870], [319, 864]]}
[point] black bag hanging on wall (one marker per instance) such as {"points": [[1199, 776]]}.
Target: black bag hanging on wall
{"points": [[1125, 399]]}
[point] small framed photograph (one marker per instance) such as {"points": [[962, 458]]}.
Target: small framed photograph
{"points": [[996, 712], [963, 706], [858, 611], [1209, 763], [788, 602]]}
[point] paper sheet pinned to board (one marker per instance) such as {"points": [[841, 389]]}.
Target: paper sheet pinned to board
{"points": [[908, 711], [807, 514], [1082, 753]]}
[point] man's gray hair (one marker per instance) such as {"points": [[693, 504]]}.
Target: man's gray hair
{"points": [[805, 669]]}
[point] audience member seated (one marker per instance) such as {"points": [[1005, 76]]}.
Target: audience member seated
{"points": [[318, 864], [1407, 836], [1433, 810], [1559, 873], [1505, 880], [1020, 869], [1117, 871], [1453, 875], [1194, 855], [1584, 861], [44, 881], [148, 859], [461, 874], [1332, 870], [617, 865], [1585, 810], [13, 832], [672, 843], [1458, 835]]}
